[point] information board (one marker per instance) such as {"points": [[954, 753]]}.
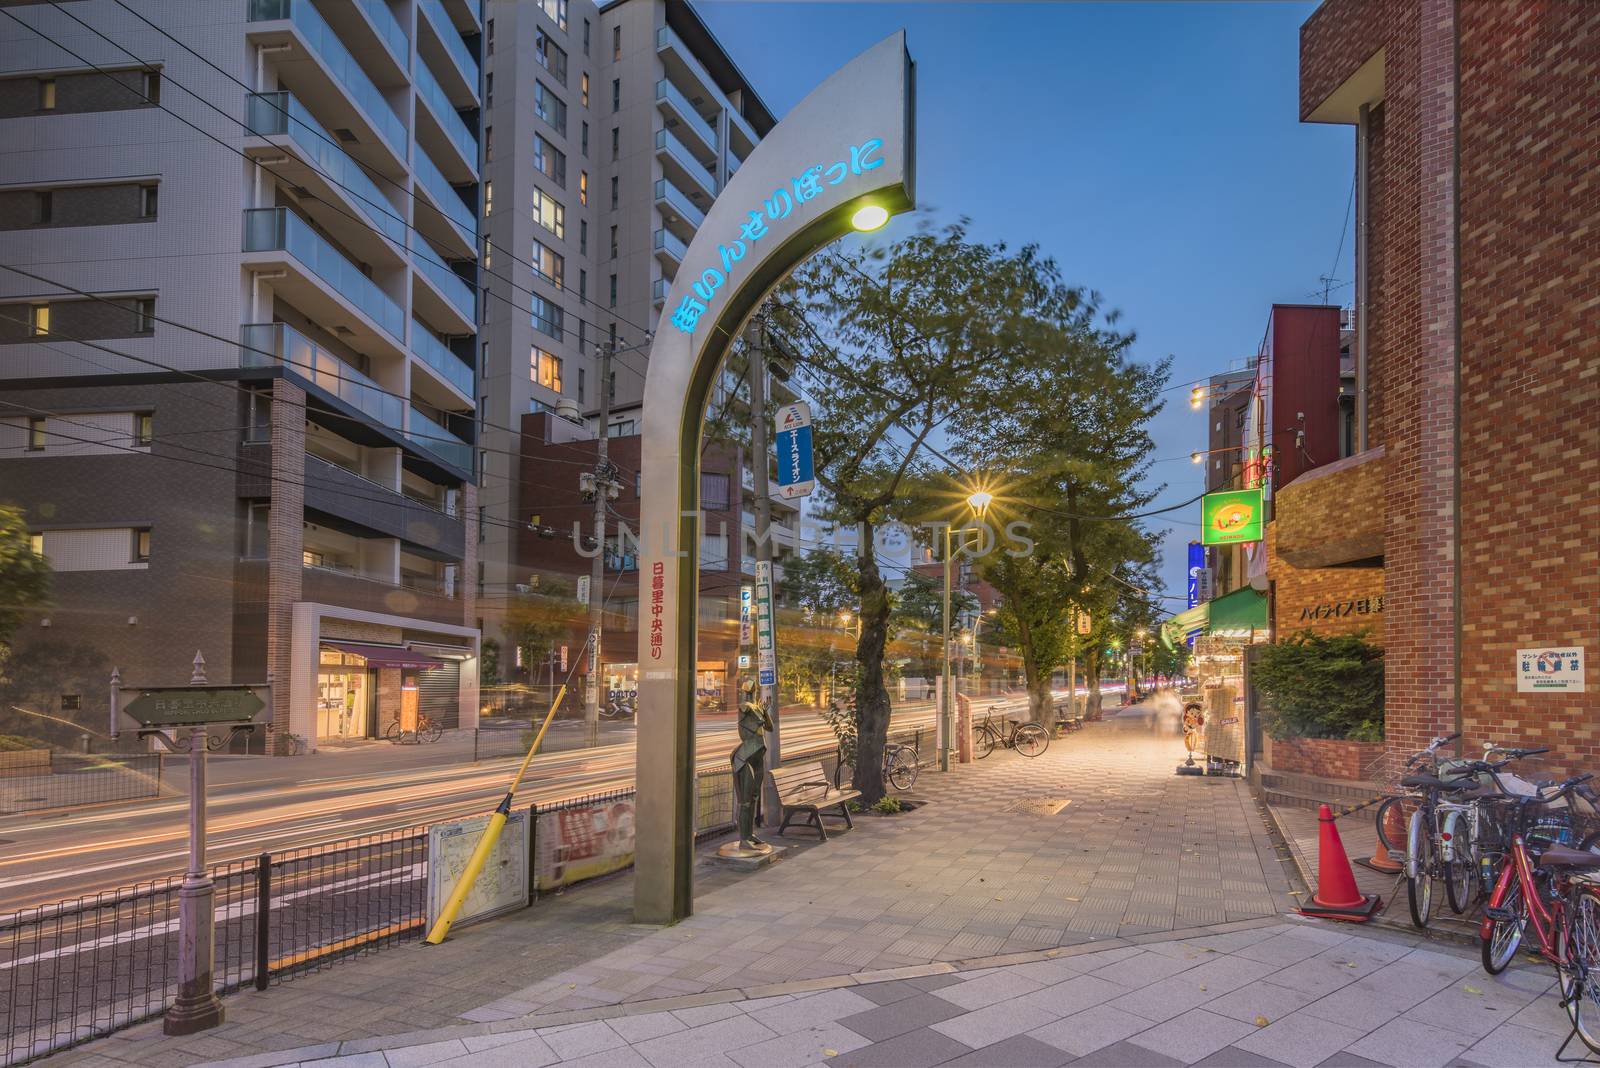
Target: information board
{"points": [[503, 883]]}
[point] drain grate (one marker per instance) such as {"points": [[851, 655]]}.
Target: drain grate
{"points": [[1038, 806]]}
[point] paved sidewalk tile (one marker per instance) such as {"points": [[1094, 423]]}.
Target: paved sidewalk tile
{"points": [[921, 1048]]}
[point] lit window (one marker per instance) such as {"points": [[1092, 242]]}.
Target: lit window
{"points": [[583, 187], [583, 86], [47, 94], [549, 265], [488, 252], [545, 369], [143, 429], [141, 546], [39, 317], [36, 543], [550, 213], [488, 198], [36, 433]]}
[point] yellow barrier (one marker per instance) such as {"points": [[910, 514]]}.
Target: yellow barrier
{"points": [[491, 835]]}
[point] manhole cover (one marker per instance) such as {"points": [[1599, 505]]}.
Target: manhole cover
{"points": [[1038, 806]]}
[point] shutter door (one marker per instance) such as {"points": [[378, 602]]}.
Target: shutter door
{"points": [[439, 693]]}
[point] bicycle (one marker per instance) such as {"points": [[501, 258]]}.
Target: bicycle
{"points": [[1029, 739], [901, 763], [428, 730], [1425, 860]]}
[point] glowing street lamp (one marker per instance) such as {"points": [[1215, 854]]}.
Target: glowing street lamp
{"points": [[978, 502], [870, 217]]}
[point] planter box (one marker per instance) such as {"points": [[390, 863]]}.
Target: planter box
{"points": [[1326, 758]]}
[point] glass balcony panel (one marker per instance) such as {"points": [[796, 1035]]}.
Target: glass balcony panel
{"points": [[280, 230], [394, 36], [270, 344], [666, 142], [444, 194], [457, 291], [280, 114], [439, 441], [658, 290], [326, 44], [433, 352], [666, 241], [680, 202], [665, 90], [452, 40], [433, 94]]}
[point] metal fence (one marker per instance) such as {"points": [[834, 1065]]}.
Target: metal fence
{"points": [[69, 779]]}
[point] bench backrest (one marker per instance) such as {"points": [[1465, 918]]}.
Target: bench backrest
{"points": [[799, 778]]}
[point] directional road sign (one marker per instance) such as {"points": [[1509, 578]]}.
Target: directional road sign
{"points": [[186, 706]]}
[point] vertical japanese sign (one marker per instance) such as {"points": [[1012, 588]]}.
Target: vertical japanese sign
{"points": [[1197, 564], [583, 589], [766, 648], [658, 605], [796, 476], [747, 629]]}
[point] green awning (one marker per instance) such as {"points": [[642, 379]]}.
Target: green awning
{"points": [[1239, 613], [1178, 628]]}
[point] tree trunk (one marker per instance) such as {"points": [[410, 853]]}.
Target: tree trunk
{"points": [[1091, 679], [872, 696]]}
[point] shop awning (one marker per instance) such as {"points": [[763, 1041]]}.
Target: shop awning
{"points": [[1180, 626], [386, 656], [1239, 613]]}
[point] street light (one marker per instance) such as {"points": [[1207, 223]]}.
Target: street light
{"points": [[978, 502], [869, 217]]}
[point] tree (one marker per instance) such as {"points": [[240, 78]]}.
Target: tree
{"points": [[927, 334], [24, 574], [918, 619]]}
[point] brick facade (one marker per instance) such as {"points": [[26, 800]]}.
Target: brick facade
{"points": [[1324, 600], [1328, 758], [285, 538]]}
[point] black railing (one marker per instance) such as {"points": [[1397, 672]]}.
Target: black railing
{"points": [[70, 779]]}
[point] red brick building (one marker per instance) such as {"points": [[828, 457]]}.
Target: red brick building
{"points": [[1476, 475]]}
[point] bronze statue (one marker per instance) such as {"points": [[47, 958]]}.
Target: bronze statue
{"points": [[749, 767]]}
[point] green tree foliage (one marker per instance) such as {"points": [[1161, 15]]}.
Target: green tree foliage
{"points": [[917, 622], [1322, 687], [24, 574]]}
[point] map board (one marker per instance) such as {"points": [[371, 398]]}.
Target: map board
{"points": [[503, 883]]}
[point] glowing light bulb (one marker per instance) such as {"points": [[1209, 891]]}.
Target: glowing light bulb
{"points": [[869, 217]]}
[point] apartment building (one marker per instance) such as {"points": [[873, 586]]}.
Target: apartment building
{"points": [[608, 132], [237, 390]]}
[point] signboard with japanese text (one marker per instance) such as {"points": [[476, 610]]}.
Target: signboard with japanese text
{"points": [[1550, 669], [583, 589], [796, 475], [747, 628], [766, 646], [190, 706], [1231, 517], [1197, 564], [501, 886]]}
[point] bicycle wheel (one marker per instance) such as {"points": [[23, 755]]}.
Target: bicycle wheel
{"points": [[430, 730], [1579, 970], [1031, 739], [1383, 832], [1419, 865], [900, 767], [1505, 935], [1456, 854], [393, 732], [983, 740]]}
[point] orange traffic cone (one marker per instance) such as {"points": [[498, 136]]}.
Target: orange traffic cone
{"points": [[1395, 826], [1337, 897]]}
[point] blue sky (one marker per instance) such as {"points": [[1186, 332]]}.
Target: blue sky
{"points": [[1153, 149]]}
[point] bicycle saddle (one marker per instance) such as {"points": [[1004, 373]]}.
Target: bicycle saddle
{"points": [[1559, 856], [1429, 782]]}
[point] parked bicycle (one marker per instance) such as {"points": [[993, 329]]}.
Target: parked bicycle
{"points": [[1029, 739], [428, 730]]}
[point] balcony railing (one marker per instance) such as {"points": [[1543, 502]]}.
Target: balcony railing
{"points": [[455, 129], [668, 193], [453, 43], [666, 142], [456, 291], [666, 241], [280, 114], [658, 290], [671, 94], [389, 28], [441, 192], [270, 344], [439, 441], [431, 351], [279, 229], [326, 44]]}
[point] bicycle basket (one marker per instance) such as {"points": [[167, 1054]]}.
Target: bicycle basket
{"points": [[1387, 770]]}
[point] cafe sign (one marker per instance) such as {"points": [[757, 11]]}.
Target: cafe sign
{"points": [[1231, 517]]}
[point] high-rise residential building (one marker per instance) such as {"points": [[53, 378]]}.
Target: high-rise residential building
{"points": [[238, 396], [613, 128]]}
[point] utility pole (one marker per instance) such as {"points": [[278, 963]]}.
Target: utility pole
{"points": [[602, 485], [756, 354]]}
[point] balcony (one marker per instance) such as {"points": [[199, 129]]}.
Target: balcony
{"points": [[359, 105], [322, 162], [446, 364], [342, 587], [429, 435], [388, 30], [280, 230], [273, 344], [678, 211], [669, 250], [355, 499], [448, 302], [454, 223], [462, 67], [658, 291], [448, 132], [681, 113], [682, 167]]}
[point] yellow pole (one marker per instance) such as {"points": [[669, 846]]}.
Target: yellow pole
{"points": [[491, 835]]}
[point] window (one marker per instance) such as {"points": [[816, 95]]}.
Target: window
{"points": [[257, 523], [549, 265], [613, 242], [616, 95], [584, 143], [614, 187], [143, 429], [488, 143], [547, 317], [583, 187], [151, 85], [583, 287], [488, 37], [258, 415], [713, 552], [144, 310], [581, 377], [488, 90], [47, 94], [549, 107], [488, 253], [616, 142], [613, 291], [141, 546], [585, 36], [147, 201], [36, 544], [545, 369], [557, 11], [550, 55], [312, 558], [488, 199], [39, 317], [713, 491], [582, 335], [583, 237], [71, 702], [549, 213], [583, 86], [36, 433], [43, 206], [550, 161], [616, 42]]}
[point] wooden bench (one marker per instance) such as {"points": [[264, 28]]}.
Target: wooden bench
{"points": [[805, 788]]}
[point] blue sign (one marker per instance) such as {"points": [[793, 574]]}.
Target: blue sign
{"points": [[1197, 564], [796, 472]]}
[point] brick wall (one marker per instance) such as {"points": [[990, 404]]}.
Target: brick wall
{"points": [[285, 538], [1324, 600], [1329, 758]]}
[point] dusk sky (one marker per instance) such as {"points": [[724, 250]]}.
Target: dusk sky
{"points": [[1154, 150]]}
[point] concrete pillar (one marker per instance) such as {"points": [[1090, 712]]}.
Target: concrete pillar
{"points": [[285, 539]]}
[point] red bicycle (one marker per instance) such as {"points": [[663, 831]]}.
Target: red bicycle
{"points": [[1557, 892]]}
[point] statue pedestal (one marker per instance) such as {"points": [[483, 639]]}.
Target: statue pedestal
{"points": [[733, 855]]}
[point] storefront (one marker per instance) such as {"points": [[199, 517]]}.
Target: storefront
{"points": [[710, 686], [362, 688]]}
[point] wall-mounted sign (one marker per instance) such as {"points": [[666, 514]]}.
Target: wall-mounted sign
{"points": [[766, 646], [1205, 585], [1356, 606], [1197, 564], [796, 477], [1231, 517], [1552, 668], [747, 628]]}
